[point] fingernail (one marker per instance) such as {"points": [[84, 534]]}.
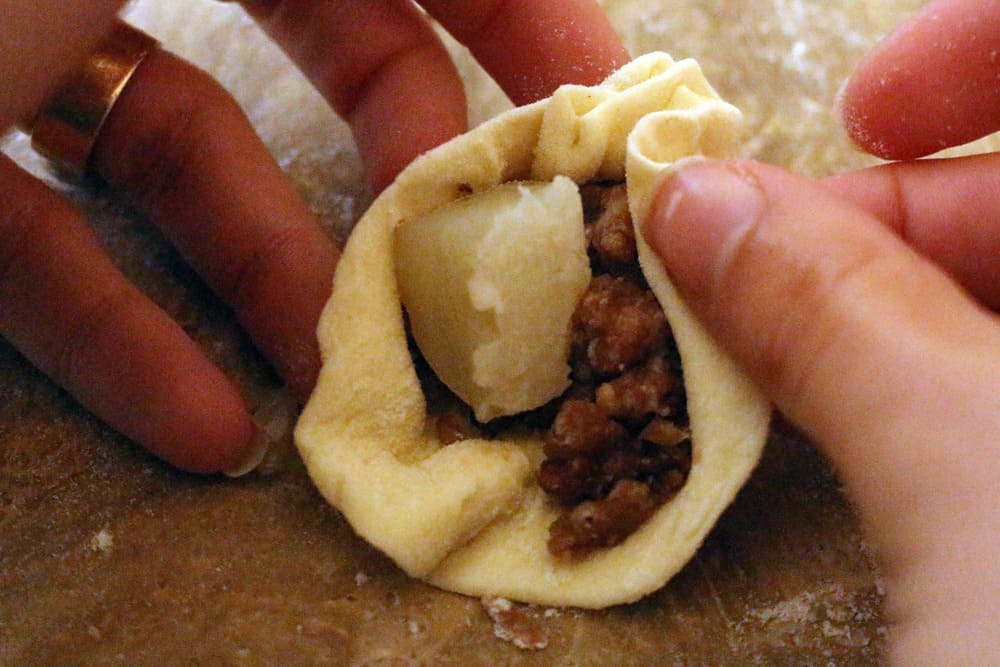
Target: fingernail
{"points": [[260, 442], [698, 219]]}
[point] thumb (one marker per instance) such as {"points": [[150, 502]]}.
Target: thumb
{"points": [[872, 351]]}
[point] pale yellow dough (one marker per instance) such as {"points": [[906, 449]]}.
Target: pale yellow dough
{"points": [[469, 517]]}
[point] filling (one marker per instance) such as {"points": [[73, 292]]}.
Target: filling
{"points": [[617, 443], [618, 447]]}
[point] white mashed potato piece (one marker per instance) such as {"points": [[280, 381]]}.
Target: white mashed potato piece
{"points": [[490, 283]]}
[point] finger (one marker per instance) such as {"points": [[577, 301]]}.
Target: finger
{"points": [[931, 84], [531, 48], [65, 306], [381, 67], [948, 210], [42, 42], [869, 349], [877, 356], [180, 145]]}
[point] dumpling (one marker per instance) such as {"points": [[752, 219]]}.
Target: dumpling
{"points": [[477, 509]]}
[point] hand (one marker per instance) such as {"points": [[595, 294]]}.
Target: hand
{"points": [[179, 146], [868, 322]]}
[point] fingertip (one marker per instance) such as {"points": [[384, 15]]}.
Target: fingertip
{"points": [[852, 109], [875, 113], [251, 455], [929, 85], [698, 218], [150, 381], [204, 427], [531, 48]]}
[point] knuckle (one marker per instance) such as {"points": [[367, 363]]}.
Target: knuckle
{"points": [[158, 161]]}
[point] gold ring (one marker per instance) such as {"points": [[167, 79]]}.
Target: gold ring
{"points": [[68, 126]]}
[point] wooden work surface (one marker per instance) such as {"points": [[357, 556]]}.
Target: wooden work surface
{"points": [[107, 556]]}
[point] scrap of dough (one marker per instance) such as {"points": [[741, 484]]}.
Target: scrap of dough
{"points": [[470, 517]]}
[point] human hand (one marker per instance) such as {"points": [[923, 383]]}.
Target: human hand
{"points": [[861, 306], [933, 84], [178, 145]]}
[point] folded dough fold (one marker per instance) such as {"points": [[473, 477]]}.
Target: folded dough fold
{"points": [[469, 516]]}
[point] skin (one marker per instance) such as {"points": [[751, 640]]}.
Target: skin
{"points": [[951, 45], [864, 305], [178, 145]]}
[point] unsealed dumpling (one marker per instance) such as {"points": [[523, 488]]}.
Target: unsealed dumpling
{"points": [[470, 516]]}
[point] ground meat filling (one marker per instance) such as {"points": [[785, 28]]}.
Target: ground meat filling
{"points": [[617, 445]]}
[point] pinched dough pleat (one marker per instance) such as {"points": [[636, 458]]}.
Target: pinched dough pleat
{"points": [[469, 516], [584, 133]]}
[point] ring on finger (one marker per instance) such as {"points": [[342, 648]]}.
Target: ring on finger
{"points": [[71, 120]]}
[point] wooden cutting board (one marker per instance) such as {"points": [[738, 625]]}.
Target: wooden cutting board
{"points": [[107, 556]]}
